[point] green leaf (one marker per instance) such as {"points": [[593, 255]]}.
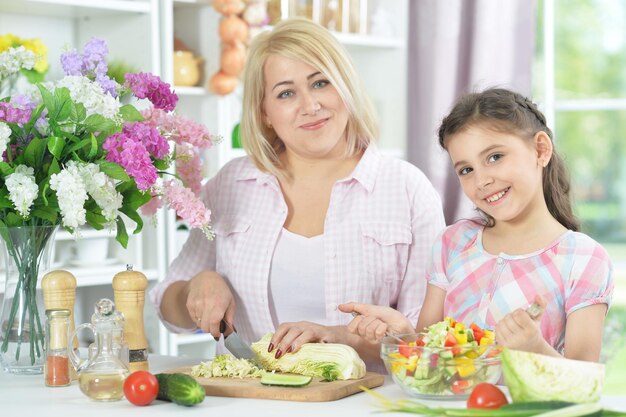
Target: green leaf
{"points": [[134, 216], [77, 145], [64, 103], [78, 113], [94, 146], [98, 123], [130, 113], [113, 170], [32, 76], [122, 235], [13, 220], [134, 198], [6, 169], [161, 164], [95, 220], [33, 153], [54, 167], [49, 100], [4, 200], [56, 145], [46, 213]]}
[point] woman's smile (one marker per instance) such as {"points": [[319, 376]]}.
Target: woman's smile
{"points": [[318, 124]]}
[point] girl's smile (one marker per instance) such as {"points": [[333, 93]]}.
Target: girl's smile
{"points": [[494, 198]]}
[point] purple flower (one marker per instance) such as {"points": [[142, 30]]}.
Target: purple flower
{"points": [[22, 102], [95, 54], [144, 85], [72, 63], [92, 64], [108, 85]]}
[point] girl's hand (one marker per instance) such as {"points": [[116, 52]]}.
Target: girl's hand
{"points": [[209, 301], [289, 337], [519, 330], [373, 322]]}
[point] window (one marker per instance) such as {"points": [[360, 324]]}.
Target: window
{"points": [[580, 81]]}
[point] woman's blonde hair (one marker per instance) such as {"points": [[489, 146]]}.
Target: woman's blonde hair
{"points": [[305, 41]]}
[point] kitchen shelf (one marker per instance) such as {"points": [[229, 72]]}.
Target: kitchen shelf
{"points": [[75, 8], [191, 91]]}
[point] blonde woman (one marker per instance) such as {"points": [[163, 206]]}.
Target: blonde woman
{"points": [[315, 215]]}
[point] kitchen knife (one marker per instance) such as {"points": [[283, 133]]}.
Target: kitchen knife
{"points": [[235, 345]]}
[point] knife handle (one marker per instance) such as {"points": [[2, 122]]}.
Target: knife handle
{"points": [[224, 325]]}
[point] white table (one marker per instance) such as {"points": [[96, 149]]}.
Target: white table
{"points": [[27, 395]]}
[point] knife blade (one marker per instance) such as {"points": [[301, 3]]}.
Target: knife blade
{"points": [[235, 345]]}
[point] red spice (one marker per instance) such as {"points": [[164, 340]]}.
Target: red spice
{"points": [[57, 371]]}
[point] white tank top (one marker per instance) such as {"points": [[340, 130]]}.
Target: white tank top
{"points": [[296, 284]]}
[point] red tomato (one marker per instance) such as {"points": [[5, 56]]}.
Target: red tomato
{"points": [[405, 350], [141, 388], [485, 395], [460, 386], [450, 340]]}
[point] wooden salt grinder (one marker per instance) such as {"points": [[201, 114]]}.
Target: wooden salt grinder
{"points": [[59, 292], [129, 292]]}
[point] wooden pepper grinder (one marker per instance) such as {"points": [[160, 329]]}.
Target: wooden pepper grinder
{"points": [[129, 292], [59, 292]]}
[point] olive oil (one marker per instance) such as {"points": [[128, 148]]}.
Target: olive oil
{"points": [[103, 386]]}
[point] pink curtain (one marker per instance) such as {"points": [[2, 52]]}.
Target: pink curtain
{"points": [[454, 47]]}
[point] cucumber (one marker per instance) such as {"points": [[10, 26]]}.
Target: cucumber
{"points": [[180, 389], [285, 380]]}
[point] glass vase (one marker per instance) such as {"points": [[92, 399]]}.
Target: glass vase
{"points": [[27, 251]]}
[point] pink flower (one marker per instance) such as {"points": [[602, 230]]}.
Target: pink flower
{"points": [[189, 167], [144, 85], [133, 157], [151, 207], [179, 128], [187, 205]]}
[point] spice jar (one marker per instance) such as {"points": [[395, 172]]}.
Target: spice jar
{"points": [[57, 366]]}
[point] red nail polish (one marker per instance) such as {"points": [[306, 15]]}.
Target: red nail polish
{"points": [[270, 347], [289, 349], [279, 353]]}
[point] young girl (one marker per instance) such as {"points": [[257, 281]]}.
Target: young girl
{"points": [[524, 248]]}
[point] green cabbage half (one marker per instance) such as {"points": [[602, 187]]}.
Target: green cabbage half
{"points": [[534, 377], [329, 361]]}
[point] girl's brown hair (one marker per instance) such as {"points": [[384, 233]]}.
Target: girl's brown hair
{"points": [[507, 111]]}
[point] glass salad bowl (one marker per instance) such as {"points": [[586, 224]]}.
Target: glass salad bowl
{"points": [[440, 372]]}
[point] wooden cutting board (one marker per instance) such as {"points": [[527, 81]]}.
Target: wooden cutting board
{"points": [[316, 391]]}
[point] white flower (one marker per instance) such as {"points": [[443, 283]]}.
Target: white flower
{"points": [[102, 190], [5, 134], [22, 188], [14, 59], [71, 194], [91, 95]]}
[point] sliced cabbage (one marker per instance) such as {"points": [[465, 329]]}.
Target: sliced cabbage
{"points": [[534, 377], [226, 366], [329, 361]]}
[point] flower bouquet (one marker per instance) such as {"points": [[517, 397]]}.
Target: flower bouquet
{"points": [[73, 154]]}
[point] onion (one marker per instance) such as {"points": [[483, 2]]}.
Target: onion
{"points": [[233, 59], [228, 7], [233, 29], [222, 84]]}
